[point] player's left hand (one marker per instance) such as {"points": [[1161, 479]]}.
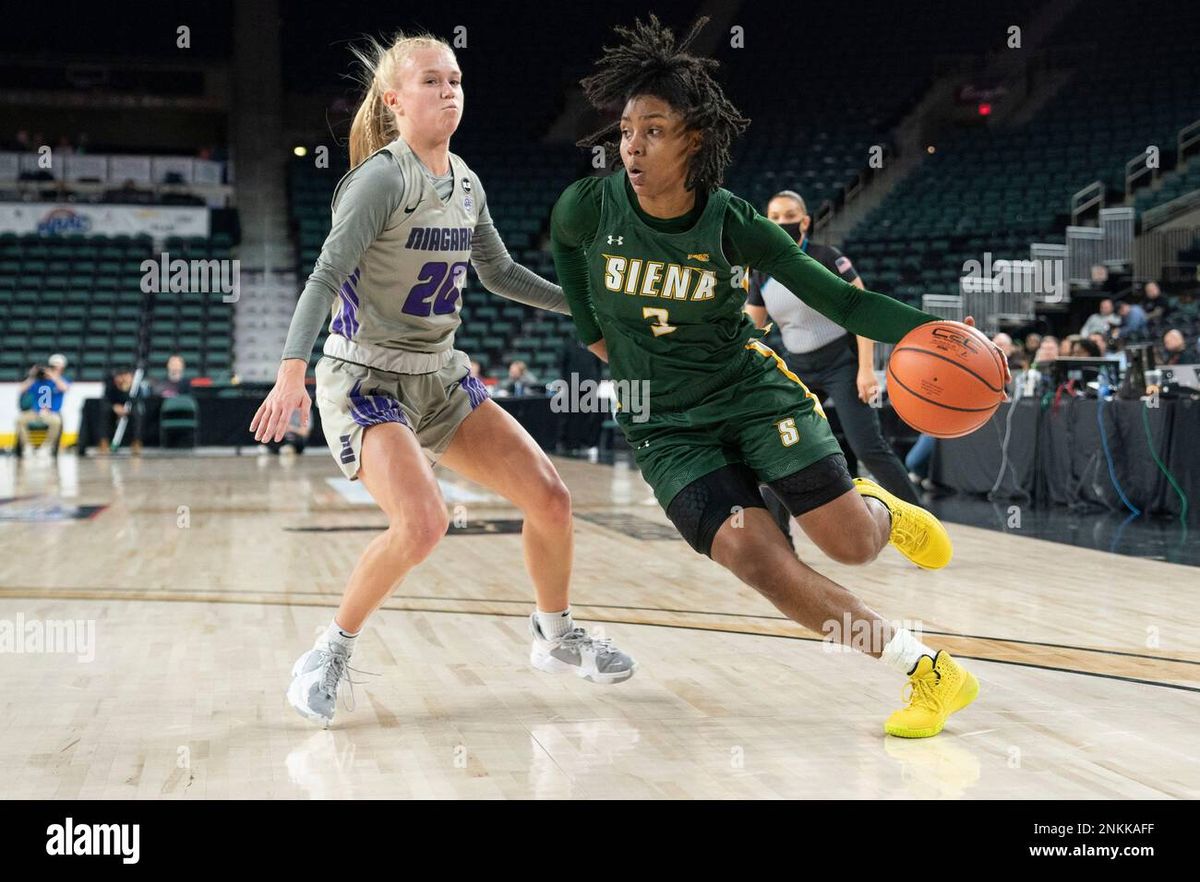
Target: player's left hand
{"points": [[970, 320], [868, 385]]}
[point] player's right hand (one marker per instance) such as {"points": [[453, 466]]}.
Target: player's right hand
{"points": [[271, 421]]}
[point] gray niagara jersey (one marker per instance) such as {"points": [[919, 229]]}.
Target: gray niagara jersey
{"points": [[391, 273]]}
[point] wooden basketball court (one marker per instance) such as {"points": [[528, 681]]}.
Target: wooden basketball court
{"points": [[202, 578]]}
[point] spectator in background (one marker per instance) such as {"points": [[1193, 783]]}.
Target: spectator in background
{"points": [[43, 390], [1016, 359], [1154, 303], [1176, 349], [1030, 345], [175, 383], [118, 390], [1066, 349], [1133, 322], [1087, 348], [917, 461], [1101, 344], [1047, 352], [520, 380], [1101, 322]]}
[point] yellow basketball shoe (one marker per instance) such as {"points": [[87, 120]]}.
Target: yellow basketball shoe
{"points": [[940, 687], [916, 533]]}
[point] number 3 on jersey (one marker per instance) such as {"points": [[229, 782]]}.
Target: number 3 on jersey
{"points": [[660, 314]]}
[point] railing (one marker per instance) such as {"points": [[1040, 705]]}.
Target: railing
{"points": [[1007, 298], [1189, 136], [1152, 251], [947, 306], [114, 169], [1160, 214], [1085, 200], [1085, 249], [855, 188], [1135, 170], [1051, 260], [1117, 225], [822, 217]]}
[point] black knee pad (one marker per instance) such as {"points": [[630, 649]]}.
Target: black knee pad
{"points": [[700, 508], [814, 485]]}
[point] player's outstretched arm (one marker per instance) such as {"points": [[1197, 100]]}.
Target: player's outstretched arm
{"points": [[505, 277], [573, 223], [767, 247]]}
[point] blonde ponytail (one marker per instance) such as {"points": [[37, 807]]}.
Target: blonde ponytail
{"points": [[374, 123]]}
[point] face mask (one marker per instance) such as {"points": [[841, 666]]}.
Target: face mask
{"points": [[793, 230]]}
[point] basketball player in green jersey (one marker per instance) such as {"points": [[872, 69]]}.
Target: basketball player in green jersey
{"points": [[651, 260]]}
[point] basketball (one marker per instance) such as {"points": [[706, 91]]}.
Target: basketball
{"points": [[945, 379]]}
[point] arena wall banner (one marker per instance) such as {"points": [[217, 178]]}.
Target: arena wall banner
{"points": [[60, 219]]}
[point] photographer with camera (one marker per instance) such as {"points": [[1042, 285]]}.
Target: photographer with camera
{"points": [[41, 396]]}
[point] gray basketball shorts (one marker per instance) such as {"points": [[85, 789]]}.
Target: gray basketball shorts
{"points": [[352, 396]]}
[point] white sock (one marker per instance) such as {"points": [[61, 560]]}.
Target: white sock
{"points": [[555, 624], [904, 651], [334, 634]]}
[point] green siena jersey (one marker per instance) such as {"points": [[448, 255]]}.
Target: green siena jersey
{"points": [[661, 293], [668, 303]]}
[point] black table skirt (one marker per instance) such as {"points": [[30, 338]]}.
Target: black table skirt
{"points": [[1056, 454], [225, 422]]}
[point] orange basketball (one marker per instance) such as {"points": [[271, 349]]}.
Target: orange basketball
{"points": [[945, 379]]}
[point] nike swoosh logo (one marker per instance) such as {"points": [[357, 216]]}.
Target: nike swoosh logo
{"points": [[414, 208]]}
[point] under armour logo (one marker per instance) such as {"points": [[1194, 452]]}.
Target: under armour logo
{"points": [[347, 454], [616, 240]]}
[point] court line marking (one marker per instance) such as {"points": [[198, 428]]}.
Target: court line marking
{"points": [[193, 598], [84, 594]]}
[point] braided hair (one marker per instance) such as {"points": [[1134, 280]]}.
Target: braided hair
{"points": [[649, 61]]}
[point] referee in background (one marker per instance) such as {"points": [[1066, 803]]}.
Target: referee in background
{"points": [[832, 362]]}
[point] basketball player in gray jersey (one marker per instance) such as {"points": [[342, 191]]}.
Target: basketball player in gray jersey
{"points": [[395, 395]]}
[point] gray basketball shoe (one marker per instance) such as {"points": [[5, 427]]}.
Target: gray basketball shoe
{"points": [[576, 652], [316, 678]]}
